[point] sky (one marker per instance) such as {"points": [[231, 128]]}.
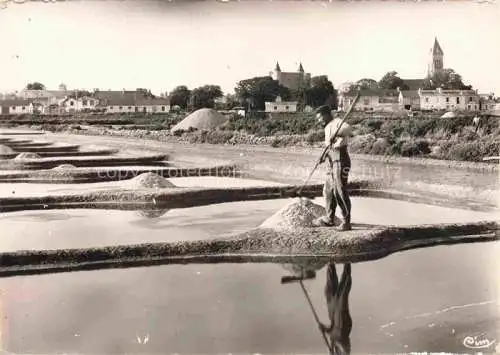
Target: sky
{"points": [[160, 44]]}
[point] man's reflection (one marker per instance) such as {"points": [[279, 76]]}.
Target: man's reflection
{"points": [[337, 300], [152, 213]]}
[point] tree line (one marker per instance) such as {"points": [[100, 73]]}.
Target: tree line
{"points": [[446, 79], [252, 93]]}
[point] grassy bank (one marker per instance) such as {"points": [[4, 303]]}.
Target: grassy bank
{"points": [[427, 136]]}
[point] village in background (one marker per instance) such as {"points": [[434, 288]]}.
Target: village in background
{"points": [[279, 91]]}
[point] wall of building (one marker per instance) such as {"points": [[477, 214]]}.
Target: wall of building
{"points": [[281, 106], [20, 110], [140, 108], [449, 100], [120, 109], [412, 102], [293, 80]]}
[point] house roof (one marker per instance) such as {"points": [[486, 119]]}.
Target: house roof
{"points": [[375, 92], [156, 101], [131, 100], [15, 102], [282, 102], [414, 84], [117, 94], [44, 93], [410, 93]]}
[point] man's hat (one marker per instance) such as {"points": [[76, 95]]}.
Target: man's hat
{"points": [[324, 110]]}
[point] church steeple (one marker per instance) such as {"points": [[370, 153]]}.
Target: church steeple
{"points": [[436, 59], [301, 68], [277, 67], [436, 49]]}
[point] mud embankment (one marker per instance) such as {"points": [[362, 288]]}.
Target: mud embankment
{"points": [[296, 141]]}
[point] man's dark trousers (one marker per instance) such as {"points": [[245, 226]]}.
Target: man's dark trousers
{"points": [[335, 188]]}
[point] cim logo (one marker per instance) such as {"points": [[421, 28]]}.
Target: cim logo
{"points": [[478, 342]]}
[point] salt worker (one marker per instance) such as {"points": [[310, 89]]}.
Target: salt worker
{"points": [[339, 165], [337, 301]]}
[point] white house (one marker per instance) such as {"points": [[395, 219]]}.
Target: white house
{"points": [[281, 106], [79, 104], [487, 102], [450, 100], [372, 100], [16, 107], [409, 100], [129, 104]]}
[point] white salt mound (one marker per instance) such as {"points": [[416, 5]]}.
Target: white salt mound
{"points": [[205, 118], [449, 114], [300, 213], [149, 181], [5, 150], [27, 155]]}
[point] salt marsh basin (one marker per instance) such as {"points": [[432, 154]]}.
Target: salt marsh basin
{"points": [[241, 308]]}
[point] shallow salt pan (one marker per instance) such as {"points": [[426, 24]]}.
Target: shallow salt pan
{"points": [[88, 228], [25, 189]]}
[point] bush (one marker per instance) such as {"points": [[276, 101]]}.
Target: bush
{"points": [[374, 124], [379, 147], [315, 136], [276, 142], [410, 148], [362, 144], [473, 151]]}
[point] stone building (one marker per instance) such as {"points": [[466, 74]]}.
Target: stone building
{"points": [[292, 80], [281, 106]]}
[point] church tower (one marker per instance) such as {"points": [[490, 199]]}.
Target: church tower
{"points": [[276, 74], [436, 59]]}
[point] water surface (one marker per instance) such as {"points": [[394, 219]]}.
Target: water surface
{"points": [[412, 301]]}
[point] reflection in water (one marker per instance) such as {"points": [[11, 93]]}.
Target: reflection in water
{"points": [[152, 213], [303, 269], [337, 300]]}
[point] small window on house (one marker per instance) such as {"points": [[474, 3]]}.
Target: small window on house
{"points": [[426, 99], [287, 108], [72, 103], [24, 108], [91, 102], [458, 100], [121, 107], [130, 107], [275, 107], [447, 99], [13, 107], [163, 108], [366, 101], [85, 102], [470, 99]]}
